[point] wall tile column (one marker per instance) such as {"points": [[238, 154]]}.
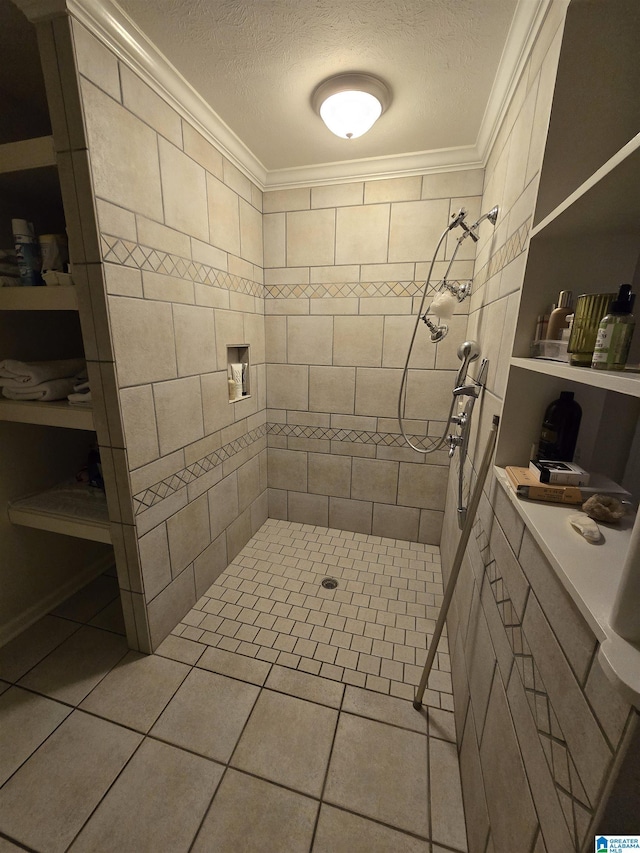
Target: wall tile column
{"points": [[344, 273]]}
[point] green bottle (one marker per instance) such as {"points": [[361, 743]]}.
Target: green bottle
{"points": [[614, 332]]}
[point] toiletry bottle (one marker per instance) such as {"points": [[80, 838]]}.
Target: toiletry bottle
{"points": [[232, 389], [558, 318], [614, 332], [560, 427]]}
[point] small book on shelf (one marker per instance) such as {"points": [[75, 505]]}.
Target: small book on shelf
{"points": [[558, 473], [526, 485]]}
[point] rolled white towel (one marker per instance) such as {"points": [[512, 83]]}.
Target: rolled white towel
{"points": [[54, 389], [29, 373]]}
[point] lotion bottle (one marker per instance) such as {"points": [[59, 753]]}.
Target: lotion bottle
{"points": [[614, 332], [558, 318]]}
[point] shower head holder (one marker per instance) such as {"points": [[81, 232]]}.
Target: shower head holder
{"points": [[460, 291]]}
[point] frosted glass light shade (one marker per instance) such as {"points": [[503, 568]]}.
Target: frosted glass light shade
{"points": [[350, 104], [350, 114]]}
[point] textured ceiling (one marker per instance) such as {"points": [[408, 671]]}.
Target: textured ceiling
{"points": [[256, 62]]}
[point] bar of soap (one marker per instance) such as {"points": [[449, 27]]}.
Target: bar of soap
{"points": [[586, 526]]}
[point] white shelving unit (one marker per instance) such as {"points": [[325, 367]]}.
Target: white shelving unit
{"points": [[586, 240], [27, 154], [62, 511], [68, 509], [58, 413]]}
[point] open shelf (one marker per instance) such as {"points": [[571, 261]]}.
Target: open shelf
{"points": [[62, 298], [72, 509], [589, 573], [59, 413], [611, 380], [27, 154], [607, 202]]}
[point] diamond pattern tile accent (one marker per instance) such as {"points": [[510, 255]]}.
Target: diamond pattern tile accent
{"points": [[572, 797], [355, 436], [159, 491], [374, 288], [131, 254]]}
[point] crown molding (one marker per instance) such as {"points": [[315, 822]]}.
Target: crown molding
{"points": [[109, 23], [525, 26], [376, 168]]}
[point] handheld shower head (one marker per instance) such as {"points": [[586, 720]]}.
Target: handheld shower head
{"points": [[467, 352]]}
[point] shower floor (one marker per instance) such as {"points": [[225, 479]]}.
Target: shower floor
{"points": [[371, 631], [263, 726]]}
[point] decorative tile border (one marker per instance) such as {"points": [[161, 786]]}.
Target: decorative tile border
{"points": [[159, 491], [574, 802], [169, 485], [509, 251], [387, 439], [130, 254], [326, 291]]}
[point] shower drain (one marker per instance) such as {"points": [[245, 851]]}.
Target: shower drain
{"points": [[329, 583]]}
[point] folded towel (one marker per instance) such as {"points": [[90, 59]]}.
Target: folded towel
{"points": [[81, 386], [29, 373], [80, 398], [54, 389]]}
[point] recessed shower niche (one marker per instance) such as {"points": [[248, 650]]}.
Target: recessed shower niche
{"points": [[238, 372]]}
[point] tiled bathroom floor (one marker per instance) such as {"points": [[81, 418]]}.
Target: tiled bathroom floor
{"points": [[201, 748]]}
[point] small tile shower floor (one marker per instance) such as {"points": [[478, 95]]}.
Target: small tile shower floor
{"points": [[201, 748]]}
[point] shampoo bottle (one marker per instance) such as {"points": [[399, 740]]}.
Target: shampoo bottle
{"points": [[614, 332], [560, 427], [558, 318]]}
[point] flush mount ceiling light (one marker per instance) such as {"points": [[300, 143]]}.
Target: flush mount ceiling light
{"points": [[350, 104]]}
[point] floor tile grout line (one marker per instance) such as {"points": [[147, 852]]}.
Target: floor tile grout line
{"points": [[105, 794], [50, 652], [326, 772], [19, 844]]}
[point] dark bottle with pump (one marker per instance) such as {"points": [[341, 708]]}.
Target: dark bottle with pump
{"points": [[560, 429]]}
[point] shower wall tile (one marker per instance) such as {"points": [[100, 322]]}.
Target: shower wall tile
{"points": [[179, 417], [415, 228], [168, 218], [362, 234], [308, 508], [453, 184], [577, 639], [332, 389], [188, 533], [475, 804], [358, 341], [391, 520], [184, 192], [374, 480], [202, 151], [310, 340], [511, 810], [339, 195], [353, 515], [282, 200], [392, 189], [96, 62], [143, 102], [124, 154], [311, 237]]}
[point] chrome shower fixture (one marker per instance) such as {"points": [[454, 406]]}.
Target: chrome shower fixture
{"points": [[467, 352], [460, 291], [471, 230]]}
